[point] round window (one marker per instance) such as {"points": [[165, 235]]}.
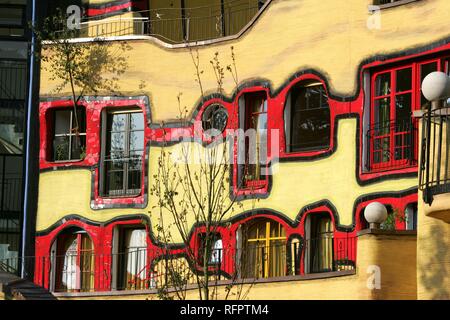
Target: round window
{"points": [[215, 117]]}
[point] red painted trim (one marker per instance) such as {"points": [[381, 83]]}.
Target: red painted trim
{"points": [[93, 142], [98, 12]]}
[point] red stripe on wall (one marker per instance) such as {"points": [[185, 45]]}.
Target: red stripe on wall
{"points": [[97, 12]]}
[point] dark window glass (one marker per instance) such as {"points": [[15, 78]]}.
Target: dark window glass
{"points": [[11, 16], [404, 80], [382, 115], [13, 89], [426, 69], [310, 118], [383, 84], [12, 20], [123, 154], [69, 143]]}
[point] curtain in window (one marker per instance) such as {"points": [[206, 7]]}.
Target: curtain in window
{"points": [[217, 252], [70, 268], [75, 263], [265, 250], [136, 258], [322, 245]]}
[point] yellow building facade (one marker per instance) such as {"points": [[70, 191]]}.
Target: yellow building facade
{"points": [[329, 87]]}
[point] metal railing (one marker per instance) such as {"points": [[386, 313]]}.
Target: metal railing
{"points": [[11, 197], [176, 25], [434, 175], [391, 145], [144, 269]]}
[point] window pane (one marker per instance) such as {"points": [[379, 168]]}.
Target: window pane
{"points": [[382, 116], [137, 121], [117, 143], [62, 122], [382, 150], [67, 145], [125, 144], [61, 148], [114, 164], [11, 16], [134, 180], [310, 119], [402, 111], [78, 147], [425, 70], [114, 183], [383, 84], [135, 161], [136, 141], [404, 79], [402, 146], [117, 122], [11, 126], [81, 116]]}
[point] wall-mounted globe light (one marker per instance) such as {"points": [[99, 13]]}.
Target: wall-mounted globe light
{"points": [[375, 214], [436, 86]]}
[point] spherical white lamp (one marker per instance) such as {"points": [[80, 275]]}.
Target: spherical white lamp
{"points": [[436, 86], [375, 214]]}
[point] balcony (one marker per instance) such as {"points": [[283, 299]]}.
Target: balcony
{"points": [[391, 145], [435, 160], [149, 270], [177, 25]]}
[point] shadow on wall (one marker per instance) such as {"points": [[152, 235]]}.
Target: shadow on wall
{"points": [[434, 274]]}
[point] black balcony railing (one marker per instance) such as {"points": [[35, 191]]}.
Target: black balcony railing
{"points": [[391, 145], [176, 25], [11, 198], [435, 154], [144, 269]]}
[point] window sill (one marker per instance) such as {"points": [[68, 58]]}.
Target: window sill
{"points": [[376, 7], [110, 197], [65, 161], [119, 293], [392, 169]]}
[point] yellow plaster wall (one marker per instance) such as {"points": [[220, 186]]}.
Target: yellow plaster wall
{"points": [[295, 185], [330, 36], [389, 252], [433, 260], [433, 245]]}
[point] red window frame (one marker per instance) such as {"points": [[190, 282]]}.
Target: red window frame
{"points": [[260, 185], [393, 133]]}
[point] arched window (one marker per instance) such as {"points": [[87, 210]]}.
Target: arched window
{"points": [[264, 249], [73, 253], [319, 233], [307, 118]]}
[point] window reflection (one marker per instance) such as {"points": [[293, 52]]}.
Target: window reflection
{"points": [[123, 154]]}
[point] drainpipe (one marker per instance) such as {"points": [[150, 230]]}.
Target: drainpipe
{"points": [[27, 148]]}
